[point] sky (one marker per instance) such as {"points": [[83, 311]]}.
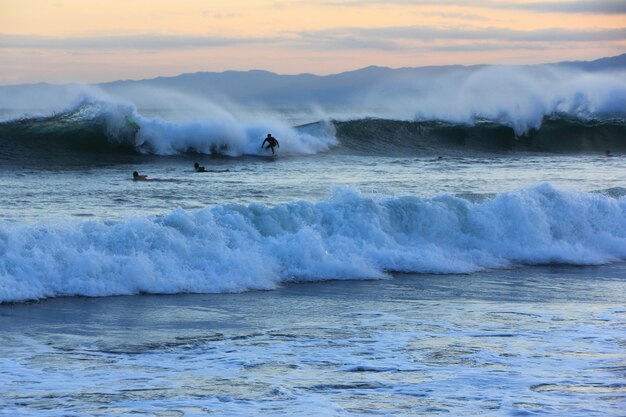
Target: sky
{"points": [[61, 41]]}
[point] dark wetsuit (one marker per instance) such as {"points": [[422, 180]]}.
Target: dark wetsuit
{"points": [[271, 143], [138, 177]]}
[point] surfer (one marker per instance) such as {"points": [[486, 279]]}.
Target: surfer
{"points": [[199, 168], [608, 153], [137, 177], [271, 142]]}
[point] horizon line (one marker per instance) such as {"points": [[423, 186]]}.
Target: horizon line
{"points": [[310, 73]]}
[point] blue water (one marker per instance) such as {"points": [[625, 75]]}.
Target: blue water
{"points": [[107, 191], [400, 275], [531, 341]]}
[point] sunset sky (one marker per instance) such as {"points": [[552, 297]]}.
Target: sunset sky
{"points": [[92, 41]]}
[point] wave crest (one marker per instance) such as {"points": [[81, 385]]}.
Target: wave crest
{"points": [[521, 98], [557, 134], [105, 126], [350, 236]]}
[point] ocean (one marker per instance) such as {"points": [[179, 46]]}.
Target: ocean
{"points": [[377, 265]]}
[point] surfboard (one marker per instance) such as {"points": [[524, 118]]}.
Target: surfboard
{"points": [[133, 125]]}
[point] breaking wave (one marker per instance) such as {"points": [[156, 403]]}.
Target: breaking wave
{"points": [[105, 129], [114, 127], [543, 108], [232, 248], [556, 134]]}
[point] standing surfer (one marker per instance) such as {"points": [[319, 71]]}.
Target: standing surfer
{"points": [[271, 142]]}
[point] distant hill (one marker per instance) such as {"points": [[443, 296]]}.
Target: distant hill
{"points": [[614, 63], [346, 87], [268, 88]]}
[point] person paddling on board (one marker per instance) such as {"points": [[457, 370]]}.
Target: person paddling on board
{"points": [[199, 168], [271, 142], [137, 177]]}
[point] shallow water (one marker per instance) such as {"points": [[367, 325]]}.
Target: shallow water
{"points": [[529, 341]]}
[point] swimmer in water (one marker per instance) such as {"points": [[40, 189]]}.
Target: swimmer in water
{"points": [[137, 177], [199, 168]]}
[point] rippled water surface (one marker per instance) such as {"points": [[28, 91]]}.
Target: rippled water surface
{"points": [[521, 340], [532, 341], [106, 191]]}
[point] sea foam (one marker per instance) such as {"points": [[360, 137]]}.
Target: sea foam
{"points": [[515, 96], [95, 120], [232, 248]]}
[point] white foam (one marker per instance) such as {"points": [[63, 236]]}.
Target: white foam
{"points": [[227, 136], [187, 124], [207, 129], [350, 236], [517, 96], [520, 97]]}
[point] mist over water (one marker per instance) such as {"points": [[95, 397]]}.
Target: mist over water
{"points": [[443, 241], [517, 97], [445, 128], [542, 108]]}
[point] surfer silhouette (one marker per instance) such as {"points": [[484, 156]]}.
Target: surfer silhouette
{"points": [[199, 168], [137, 177], [271, 142]]}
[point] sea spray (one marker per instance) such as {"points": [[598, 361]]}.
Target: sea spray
{"points": [[232, 248], [113, 126], [518, 97]]}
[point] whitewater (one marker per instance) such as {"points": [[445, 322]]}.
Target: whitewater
{"points": [[237, 248], [453, 244]]}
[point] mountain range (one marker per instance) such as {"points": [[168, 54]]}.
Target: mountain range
{"points": [[257, 86]]}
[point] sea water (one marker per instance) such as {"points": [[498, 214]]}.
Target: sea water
{"points": [[374, 267], [528, 341]]}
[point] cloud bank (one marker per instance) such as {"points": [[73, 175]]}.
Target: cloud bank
{"points": [[385, 38], [609, 7]]}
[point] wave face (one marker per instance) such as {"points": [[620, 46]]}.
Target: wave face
{"points": [[235, 248], [557, 134], [519, 97], [115, 127], [94, 127], [492, 108]]}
